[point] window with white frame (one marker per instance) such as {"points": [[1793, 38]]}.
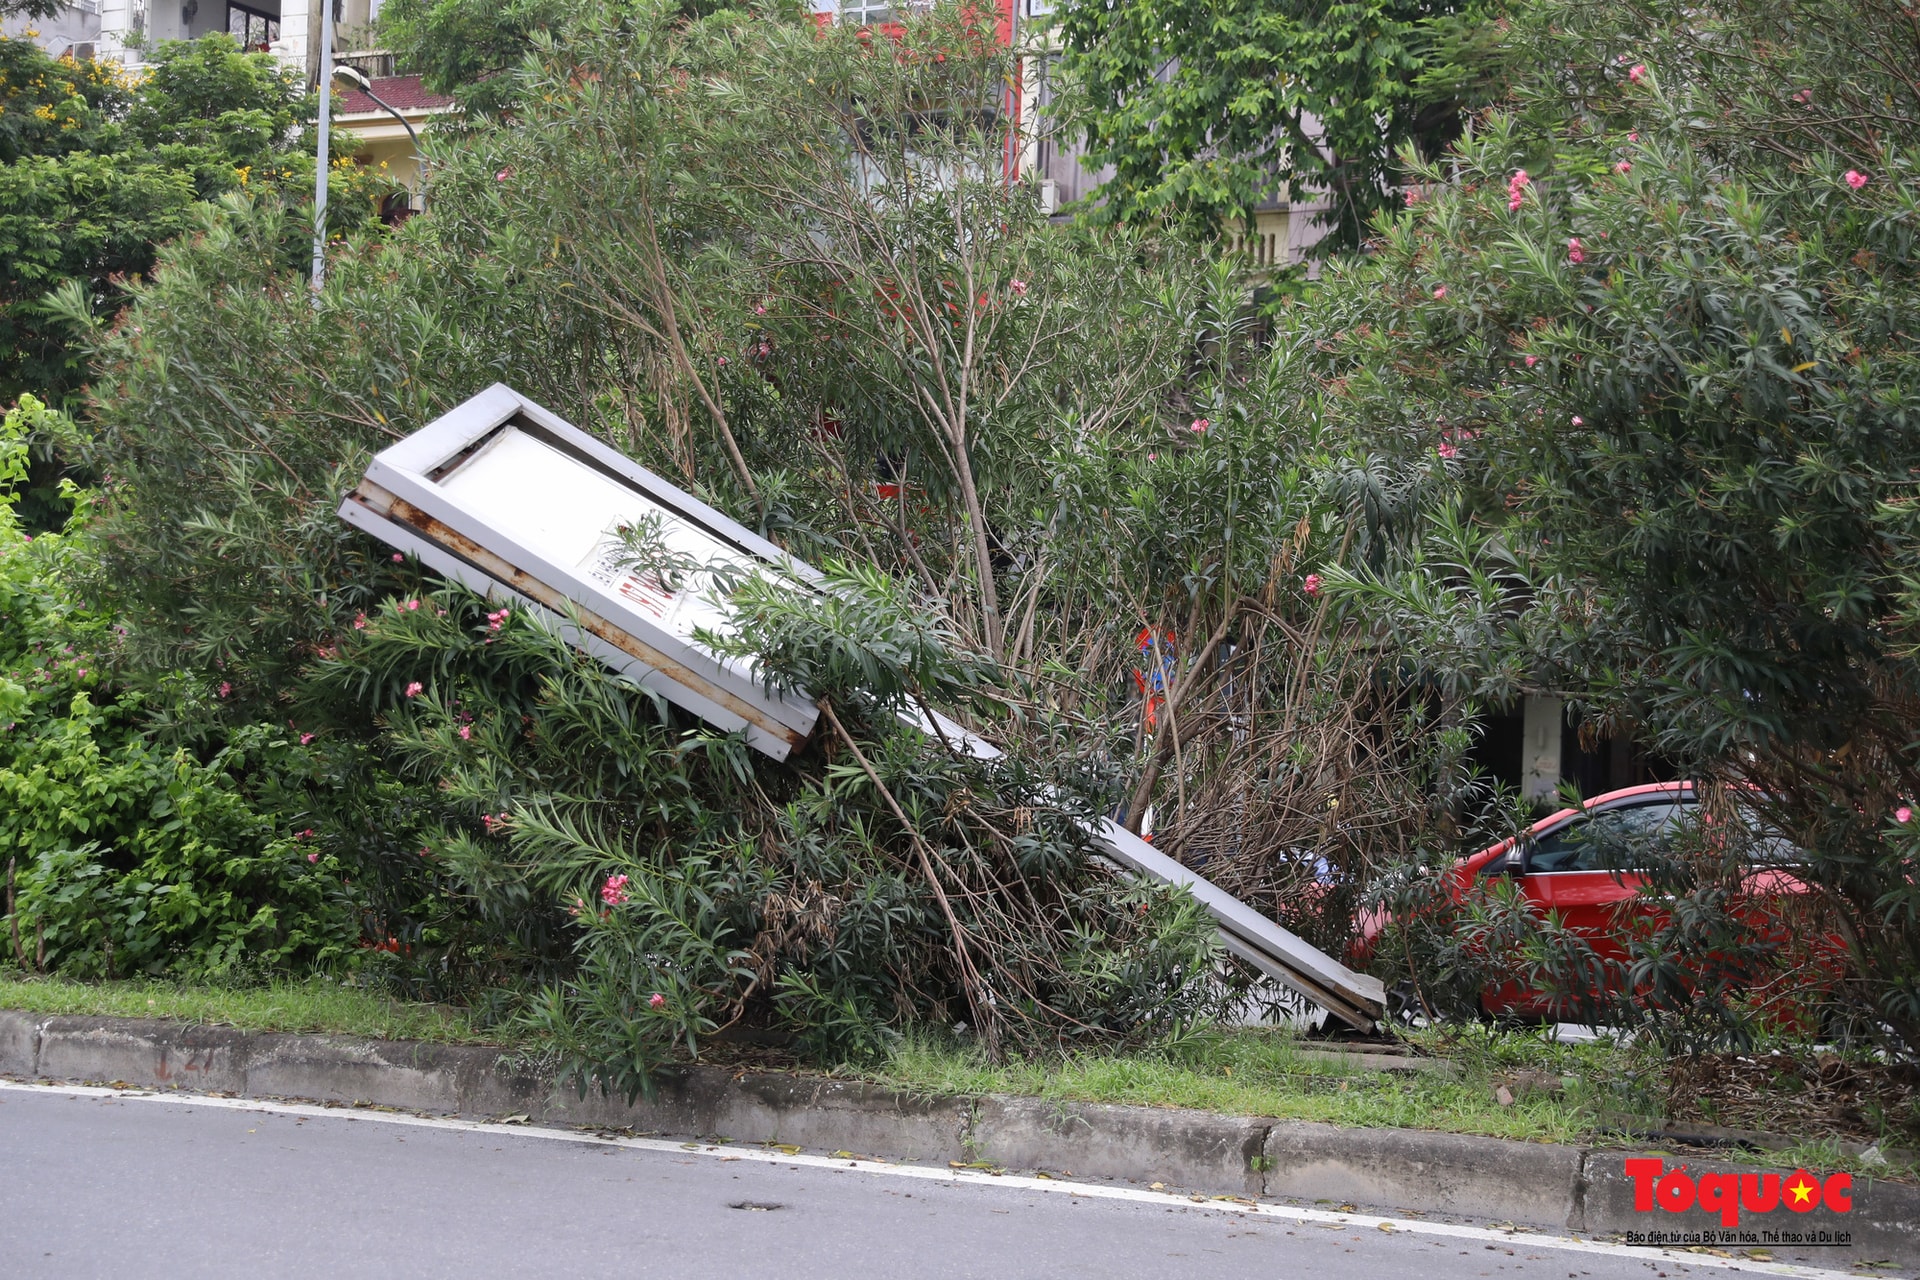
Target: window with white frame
{"points": [[862, 12]]}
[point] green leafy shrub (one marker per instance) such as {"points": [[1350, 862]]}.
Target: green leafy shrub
{"points": [[1034, 441], [122, 855]]}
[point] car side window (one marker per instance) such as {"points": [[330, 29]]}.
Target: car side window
{"points": [[1768, 847], [1606, 840]]}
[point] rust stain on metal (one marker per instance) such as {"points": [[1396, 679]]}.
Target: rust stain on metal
{"points": [[399, 509]]}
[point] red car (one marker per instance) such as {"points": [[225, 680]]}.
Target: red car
{"points": [[1560, 868]]}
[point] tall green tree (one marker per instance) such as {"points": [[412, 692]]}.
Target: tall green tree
{"points": [[1206, 111], [98, 167], [470, 48]]}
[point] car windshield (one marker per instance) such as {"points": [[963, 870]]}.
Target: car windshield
{"points": [[1770, 847]]}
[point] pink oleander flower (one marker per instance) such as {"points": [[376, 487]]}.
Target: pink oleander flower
{"points": [[397, 557], [503, 174], [413, 688], [1447, 449], [1532, 361], [305, 739], [1637, 72], [1803, 97], [1311, 584], [412, 605], [759, 309], [614, 891], [1902, 814], [225, 688], [1579, 421], [1856, 179], [1625, 166], [425, 852], [466, 732], [359, 622], [1413, 197], [1439, 291], [314, 856], [1200, 424], [1019, 288], [656, 1001], [1633, 135], [1575, 251], [723, 359]]}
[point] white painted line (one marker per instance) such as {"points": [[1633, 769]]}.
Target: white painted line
{"points": [[1518, 1238]]}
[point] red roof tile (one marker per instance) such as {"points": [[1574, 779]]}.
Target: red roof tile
{"points": [[402, 93]]}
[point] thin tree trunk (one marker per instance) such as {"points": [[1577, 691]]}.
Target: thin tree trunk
{"points": [[970, 980]]}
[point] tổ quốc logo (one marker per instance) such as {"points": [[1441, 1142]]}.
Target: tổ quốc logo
{"points": [[1738, 1208]]}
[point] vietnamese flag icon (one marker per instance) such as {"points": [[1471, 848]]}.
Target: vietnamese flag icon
{"points": [[1800, 1191]]}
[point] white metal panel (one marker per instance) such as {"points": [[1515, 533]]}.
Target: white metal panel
{"points": [[514, 499], [458, 569], [511, 500]]}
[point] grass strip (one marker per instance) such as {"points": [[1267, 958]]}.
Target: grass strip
{"points": [[1262, 1072], [314, 1005]]}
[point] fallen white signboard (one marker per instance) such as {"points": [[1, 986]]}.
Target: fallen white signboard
{"points": [[515, 503], [518, 504]]}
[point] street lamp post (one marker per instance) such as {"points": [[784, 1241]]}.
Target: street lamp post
{"points": [[320, 178], [355, 77]]}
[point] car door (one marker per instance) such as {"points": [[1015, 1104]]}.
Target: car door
{"points": [[1583, 871]]}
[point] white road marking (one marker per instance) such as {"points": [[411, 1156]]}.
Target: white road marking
{"points": [[1518, 1238]]}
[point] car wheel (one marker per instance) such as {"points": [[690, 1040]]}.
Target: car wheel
{"points": [[1403, 1004]]}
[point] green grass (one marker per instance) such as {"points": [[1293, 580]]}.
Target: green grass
{"points": [[1272, 1073], [314, 1005]]}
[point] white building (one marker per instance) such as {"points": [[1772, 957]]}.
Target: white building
{"points": [[74, 30], [118, 28]]}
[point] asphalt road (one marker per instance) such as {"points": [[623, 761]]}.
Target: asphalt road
{"points": [[95, 1186]]}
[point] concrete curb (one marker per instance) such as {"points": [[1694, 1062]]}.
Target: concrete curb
{"points": [[1557, 1188]]}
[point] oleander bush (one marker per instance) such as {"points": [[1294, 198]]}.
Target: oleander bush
{"points": [[1638, 352]]}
